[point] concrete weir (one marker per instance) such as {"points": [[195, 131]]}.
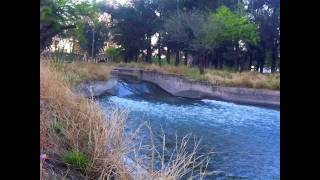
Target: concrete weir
{"points": [[180, 86]]}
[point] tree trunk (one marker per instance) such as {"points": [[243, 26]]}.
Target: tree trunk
{"points": [[159, 58], [237, 59], [205, 60], [238, 63], [136, 57], [220, 60], [241, 68], [159, 50], [185, 58], [201, 63], [258, 65], [261, 66], [274, 58], [210, 59], [261, 60], [177, 57], [148, 57], [168, 55], [250, 60], [73, 44], [216, 60], [159, 55], [55, 46], [125, 57]]}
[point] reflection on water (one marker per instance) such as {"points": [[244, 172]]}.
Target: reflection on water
{"points": [[246, 139]]}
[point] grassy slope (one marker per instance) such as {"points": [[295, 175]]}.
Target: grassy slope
{"points": [[74, 73], [217, 77], [74, 131], [70, 123], [79, 72]]}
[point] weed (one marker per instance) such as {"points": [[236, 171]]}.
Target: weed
{"points": [[76, 159]]}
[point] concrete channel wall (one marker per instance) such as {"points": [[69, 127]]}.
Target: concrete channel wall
{"points": [[180, 86]]}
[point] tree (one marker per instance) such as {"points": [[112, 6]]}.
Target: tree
{"points": [[57, 16], [146, 10], [114, 53], [228, 28], [196, 24], [266, 14], [92, 36], [164, 9], [133, 26], [176, 34], [127, 30], [182, 29]]}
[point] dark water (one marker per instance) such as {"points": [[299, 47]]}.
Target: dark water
{"points": [[245, 139]]}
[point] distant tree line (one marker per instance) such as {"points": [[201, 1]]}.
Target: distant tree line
{"points": [[215, 33]]}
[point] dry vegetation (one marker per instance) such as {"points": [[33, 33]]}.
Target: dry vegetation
{"points": [[217, 77], [73, 123], [74, 131], [77, 72]]}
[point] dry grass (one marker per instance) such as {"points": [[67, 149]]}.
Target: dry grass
{"points": [[244, 79], [83, 127], [42, 172], [69, 122], [179, 162], [217, 77], [163, 163], [77, 72]]}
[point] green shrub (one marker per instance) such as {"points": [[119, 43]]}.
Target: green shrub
{"points": [[76, 159], [58, 128], [114, 53]]}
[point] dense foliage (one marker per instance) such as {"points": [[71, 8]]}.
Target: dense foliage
{"points": [[211, 33]]}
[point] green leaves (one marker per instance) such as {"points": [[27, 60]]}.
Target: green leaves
{"points": [[187, 29], [224, 25], [76, 159], [132, 24], [202, 32], [114, 53], [58, 15]]}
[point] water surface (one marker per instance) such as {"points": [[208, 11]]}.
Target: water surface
{"points": [[245, 139]]}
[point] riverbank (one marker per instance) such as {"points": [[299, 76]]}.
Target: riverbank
{"points": [[80, 141], [180, 86], [215, 77], [75, 133], [84, 72]]}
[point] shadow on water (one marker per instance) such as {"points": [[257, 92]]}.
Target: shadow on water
{"points": [[245, 139]]}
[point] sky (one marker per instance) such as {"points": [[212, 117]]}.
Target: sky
{"points": [[121, 1]]}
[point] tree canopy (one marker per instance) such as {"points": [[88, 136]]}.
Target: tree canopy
{"points": [[233, 33]]}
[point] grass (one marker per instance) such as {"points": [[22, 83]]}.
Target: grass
{"points": [[77, 72], [217, 77], [180, 163], [76, 159], [74, 129], [85, 127], [58, 128]]}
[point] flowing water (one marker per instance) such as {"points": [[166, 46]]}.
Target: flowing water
{"points": [[245, 139]]}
